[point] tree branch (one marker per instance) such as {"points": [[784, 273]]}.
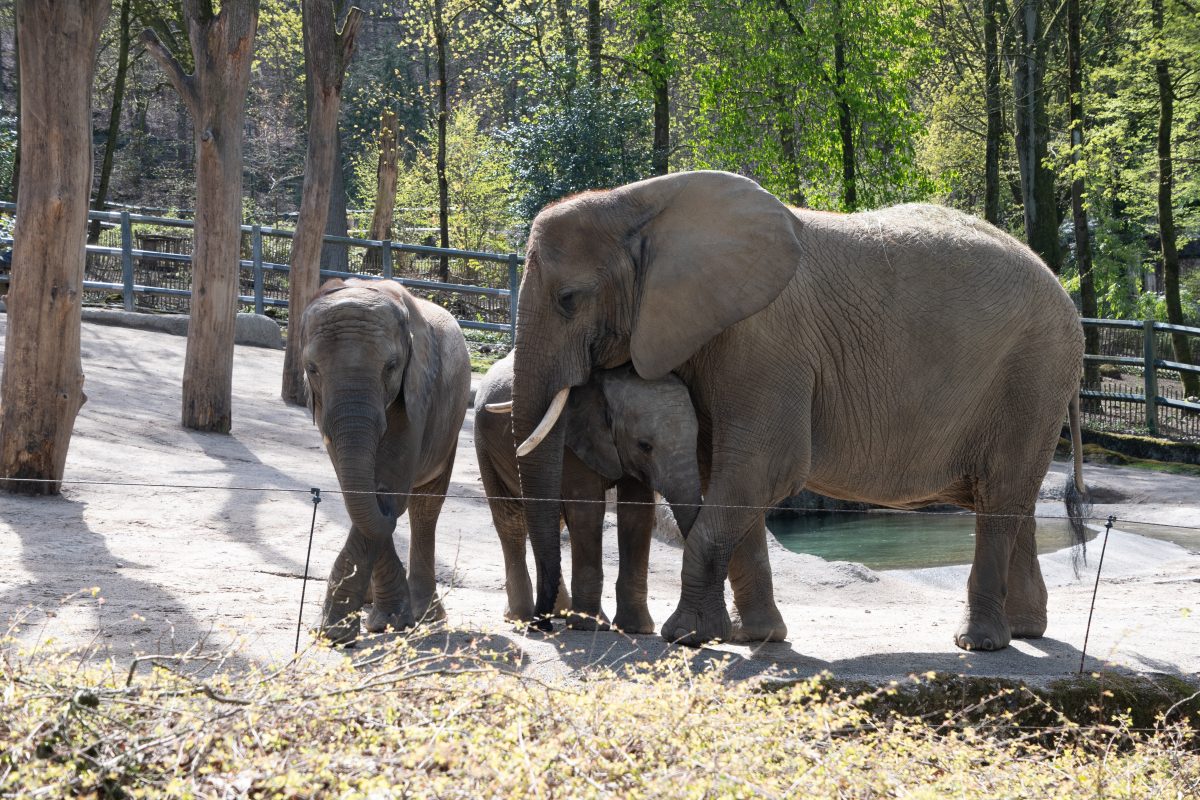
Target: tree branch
{"points": [[347, 34], [183, 83]]}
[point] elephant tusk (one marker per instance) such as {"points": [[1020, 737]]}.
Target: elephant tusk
{"points": [[499, 408], [543, 427]]}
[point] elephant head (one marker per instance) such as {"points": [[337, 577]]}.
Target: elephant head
{"points": [[620, 425], [639, 274], [366, 355]]}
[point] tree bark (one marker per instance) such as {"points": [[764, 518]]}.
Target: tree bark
{"points": [[995, 123], [595, 42], [215, 95], [1079, 217], [385, 186], [1033, 133], [336, 257], [440, 36], [42, 388], [661, 154], [327, 53], [114, 121], [1166, 214], [845, 120]]}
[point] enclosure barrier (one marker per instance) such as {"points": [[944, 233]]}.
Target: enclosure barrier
{"points": [[375, 259], [1165, 410]]}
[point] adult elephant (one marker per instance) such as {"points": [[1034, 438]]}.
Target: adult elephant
{"points": [[622, 431], [902, 357], [389, 380]]}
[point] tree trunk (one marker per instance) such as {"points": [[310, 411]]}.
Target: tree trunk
{"points": [[660, 158], [215, 95], [114, 121], [1166, 214], [789, 147], [42, 388], [327, 53], [440, 34], [845, 121], [16, 174], [336, 257], [385, 187], [1033, 133], [595, 42], [1083, 239], [995, 123]]}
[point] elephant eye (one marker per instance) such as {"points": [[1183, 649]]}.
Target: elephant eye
{"points": [[390, 365], [645, 446], [311, 367], [566, 303]]}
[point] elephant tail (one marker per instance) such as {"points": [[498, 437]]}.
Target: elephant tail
{"points": [[1075, 496]]}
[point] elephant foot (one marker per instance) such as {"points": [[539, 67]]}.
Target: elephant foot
{"points": [[693, 627], [519, 612], [983, 634], [588, 621], [380, 620], [341, 633], [429, 610], [562, 605], [1027, 626], [759, 625], [635, 621]]}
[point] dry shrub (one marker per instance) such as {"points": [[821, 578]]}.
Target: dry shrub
{"points": [[406, 719]]}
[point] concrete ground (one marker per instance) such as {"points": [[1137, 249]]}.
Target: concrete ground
{"points": [[164, 538]]}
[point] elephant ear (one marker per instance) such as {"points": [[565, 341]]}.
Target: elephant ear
{"points": [[589, 431], [714, 248], [420, 372]]}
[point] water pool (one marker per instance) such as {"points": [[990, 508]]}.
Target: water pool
{"points": [[883, 540]]}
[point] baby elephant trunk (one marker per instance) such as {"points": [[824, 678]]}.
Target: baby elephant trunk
{"points": [[354, 432]]}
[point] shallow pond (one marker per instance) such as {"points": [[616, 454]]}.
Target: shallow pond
{"points": [[886, 540]]}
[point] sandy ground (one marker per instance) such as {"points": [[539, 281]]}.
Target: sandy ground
{"points": [[220, 562]]}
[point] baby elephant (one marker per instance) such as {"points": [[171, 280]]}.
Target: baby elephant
{"points": [[622, 431], [388, 379]]}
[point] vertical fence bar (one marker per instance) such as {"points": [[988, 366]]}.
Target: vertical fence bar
{"points": [[512, 298], [387, 259], [127, 260], [1150, 377], [256, 256]]}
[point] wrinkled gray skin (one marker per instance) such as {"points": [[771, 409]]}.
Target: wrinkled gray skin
{"points": [[389, 379], [639, 436], [903, 357]]}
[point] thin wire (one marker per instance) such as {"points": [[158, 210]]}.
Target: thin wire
{"points": [[316, 501], [664, 504], [1088, 630]]}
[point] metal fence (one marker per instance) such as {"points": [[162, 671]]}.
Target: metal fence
{"points": [[144, 263], [1138, 389]]}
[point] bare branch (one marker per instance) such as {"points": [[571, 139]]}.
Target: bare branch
{"points": [[346, 36], [184, 84]]}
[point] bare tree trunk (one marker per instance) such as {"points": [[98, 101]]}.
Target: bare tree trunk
{"points": [[385, 186], [1033, 133], [1079, 217], [327, 53], [791, 150], [336, 257], [995, 123], [1166, 213], [114, 120], [661, 154], [440, 34], [215, 95], [42, 388], [595, 42], [845, 121]]}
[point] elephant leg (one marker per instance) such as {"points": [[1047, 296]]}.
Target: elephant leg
{"points": [[635, 522], [510, 526], [423, 509], [756, 618], [347, 586], [583, 507], [1025, 605], [392, 607]]}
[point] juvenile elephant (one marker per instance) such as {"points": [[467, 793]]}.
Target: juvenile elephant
{"points": [[388, 378], [639, 436], [905, 356]]}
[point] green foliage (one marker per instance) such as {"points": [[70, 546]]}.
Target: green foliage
{"points": [[597, 140], [8, 155]]}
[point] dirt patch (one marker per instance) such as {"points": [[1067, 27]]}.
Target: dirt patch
{"points": [[164, 538]]}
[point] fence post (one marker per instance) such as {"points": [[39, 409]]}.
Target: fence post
{"points": [[1150, 376], [387, 259], [127, 260], [256, 257], [512, 298]]}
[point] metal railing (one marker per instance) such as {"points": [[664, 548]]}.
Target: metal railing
{"points": [[120, 266], [1136, 347]]}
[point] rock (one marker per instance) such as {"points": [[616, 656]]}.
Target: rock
{"points": [[255, 330]]}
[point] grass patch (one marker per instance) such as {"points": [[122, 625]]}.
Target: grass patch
{"points": [[409, 720], [1098, 454]]}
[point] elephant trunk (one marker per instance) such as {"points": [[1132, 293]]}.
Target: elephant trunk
{"points": [[354, 429], [681, 489]]}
